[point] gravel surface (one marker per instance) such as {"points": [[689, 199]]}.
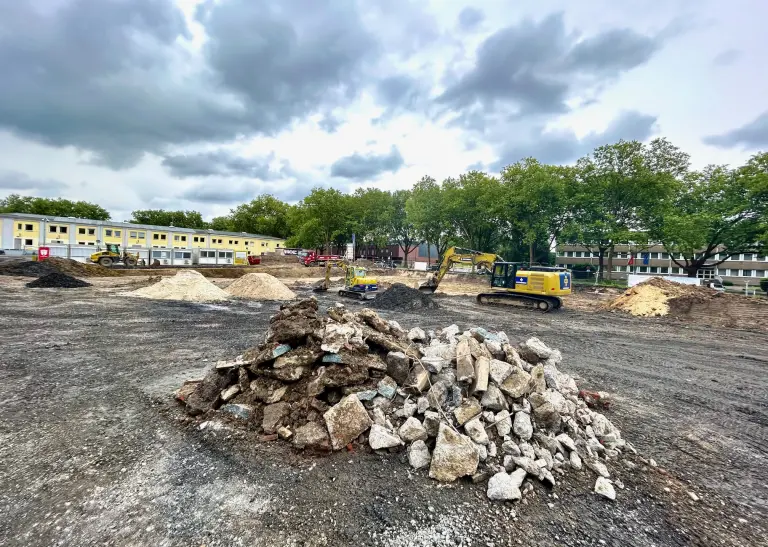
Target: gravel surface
{"points": [[95, 451]]}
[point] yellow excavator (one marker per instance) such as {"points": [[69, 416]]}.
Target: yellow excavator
{"points": [[357, 284], [112, 255], [512, 283]]}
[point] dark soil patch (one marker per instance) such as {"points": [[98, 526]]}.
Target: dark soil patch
{"points": [[57, 280], [26, 268], [402, 297]]}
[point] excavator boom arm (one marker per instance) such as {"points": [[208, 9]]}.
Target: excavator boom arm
{"points": [[456, 255]]}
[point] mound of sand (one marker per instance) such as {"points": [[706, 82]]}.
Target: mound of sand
{"points": [[187, 285], [260, 286], [652, 298]]}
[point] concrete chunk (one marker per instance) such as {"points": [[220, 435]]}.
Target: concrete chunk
{"points": [[380, 437], [465, 367], [418, 455], [412, 430], [345, 421], [499, 371], [476, 431], [454, 456], [482, 370], [503, 487], [468, 409]]}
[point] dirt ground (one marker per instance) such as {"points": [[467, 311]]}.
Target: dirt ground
{"points": [[95, 451]]}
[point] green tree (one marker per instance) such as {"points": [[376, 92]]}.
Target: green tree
{"points": [[619, 193], [159, 217], [536, 203], [715, 214], [265, 215], [58, 207], [402, 230], [223, 224], [319, 218], [369, 211], [426, 210], [470, 203]]}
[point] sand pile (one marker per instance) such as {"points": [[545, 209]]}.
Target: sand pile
{"points": [[652, 298], [57, 280], [456, 404], [402, 297], [260, 286], [187, 285]]}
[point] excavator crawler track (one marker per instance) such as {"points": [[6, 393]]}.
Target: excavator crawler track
{"points": [[540, 303], [357, 294]]}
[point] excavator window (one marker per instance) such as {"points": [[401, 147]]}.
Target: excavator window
{"points": [[504, 275]]}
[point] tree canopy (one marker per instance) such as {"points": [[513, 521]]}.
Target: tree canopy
{"points": [[58, 207], [629, 191]]}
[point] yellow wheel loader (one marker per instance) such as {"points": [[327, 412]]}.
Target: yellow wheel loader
{"points": [[512, 283], [112, 255], [357, 284]]}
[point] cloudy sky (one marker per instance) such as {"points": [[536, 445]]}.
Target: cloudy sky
{"points": [[189, 104]]}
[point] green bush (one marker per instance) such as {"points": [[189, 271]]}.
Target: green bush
{"points": [[764, 284], [728, 283]]}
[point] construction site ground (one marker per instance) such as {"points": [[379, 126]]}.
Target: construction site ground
{"points": [[96, 451]]}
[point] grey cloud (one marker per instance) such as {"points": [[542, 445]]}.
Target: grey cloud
{"points": [[285, 59], [219, 163], [531, 68], [361, 167], [749, 136], [470, 17], [727, 57], [15, 181], [330, 123], [220, 192], [111, 77], [562, 147]]}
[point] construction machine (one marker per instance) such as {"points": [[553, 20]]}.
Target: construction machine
{"points": [[512, 283], [113, 255], [357, 284]]}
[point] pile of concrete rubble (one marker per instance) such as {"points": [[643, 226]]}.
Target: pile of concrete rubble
{"points": [[461, 403]]}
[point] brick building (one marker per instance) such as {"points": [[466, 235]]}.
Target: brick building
{"points": [[654, 259]]}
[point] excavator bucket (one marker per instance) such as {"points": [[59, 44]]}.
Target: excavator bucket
{"points": [[429, 285]]}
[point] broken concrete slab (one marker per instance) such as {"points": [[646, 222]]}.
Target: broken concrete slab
{"points": [[482, 370], [465, 367], [493, 399], [345, 421], [468, 409], [418, 455], [522, 426], [475, 429], [502, 487], [312, 436], [398, 366], [272, 416], [454, 456], [412, 430], [380, 437], [499, 371], [517, 384]]}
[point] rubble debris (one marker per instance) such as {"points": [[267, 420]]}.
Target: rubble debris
{"points": [[418, 455], [186, 285], [34, 268], [380, 437], [56, 280], [605, 488], [402, 297], [502, 486], [260, 286], [454, 456], [346, 421], [326, 382]]}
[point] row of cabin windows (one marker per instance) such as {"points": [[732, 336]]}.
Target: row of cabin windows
{"points": [[26, 228], [747, 257]]}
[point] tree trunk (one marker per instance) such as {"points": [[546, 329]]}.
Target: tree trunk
{"points": [[429, 254], [530, 253], [600, 260], [610, 263]]}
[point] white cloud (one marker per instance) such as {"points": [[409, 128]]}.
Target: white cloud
{"points": [[201, 135]]}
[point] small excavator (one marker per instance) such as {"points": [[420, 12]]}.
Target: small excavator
{"points": [[357, 284], [112, 255], [512, 283]]}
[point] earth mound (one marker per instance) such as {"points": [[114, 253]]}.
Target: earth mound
{"points": [[56, 280], [402, 297], [260, 286]]}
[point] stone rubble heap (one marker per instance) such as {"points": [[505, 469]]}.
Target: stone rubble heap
{"points": [[460, 403]]}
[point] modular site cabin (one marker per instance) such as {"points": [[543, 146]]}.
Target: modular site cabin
{"points": [[77, 238]]}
